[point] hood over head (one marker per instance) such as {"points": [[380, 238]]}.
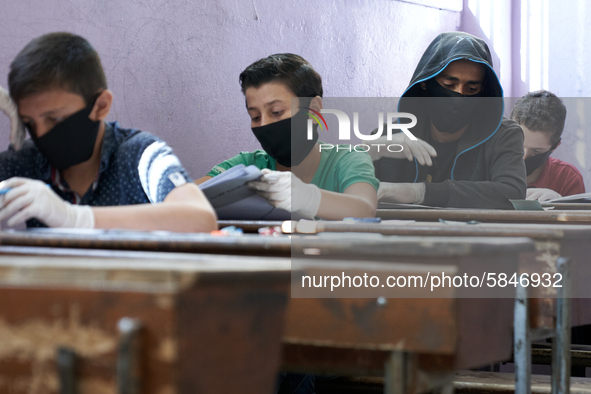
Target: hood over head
{"points": [[448, 47], [486, 117]]}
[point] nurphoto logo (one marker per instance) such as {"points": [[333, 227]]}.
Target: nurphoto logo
{"points": [[393, 123]]}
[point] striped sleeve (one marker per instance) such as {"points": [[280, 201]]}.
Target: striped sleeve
{"points": [[160, 171]]}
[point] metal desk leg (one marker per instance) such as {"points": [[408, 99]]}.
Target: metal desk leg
{"points": [[128, 358], [396, 374], [522, 342], [447, 389], [400, 370], [561, 342], [66, 365]]}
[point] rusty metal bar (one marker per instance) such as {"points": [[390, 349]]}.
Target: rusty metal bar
{"points": [[522, 342], [66, 365], [561, 343], [128, 358]]}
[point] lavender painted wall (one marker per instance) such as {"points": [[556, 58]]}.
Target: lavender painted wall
{"points": [[569, 64], [542, 44], [173, 65], [491, 21], [551, 44]]}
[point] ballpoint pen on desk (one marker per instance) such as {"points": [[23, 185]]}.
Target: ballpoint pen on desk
{"points": [[6, 190]]}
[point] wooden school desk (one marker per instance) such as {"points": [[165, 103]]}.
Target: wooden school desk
{"points": [[150, 241], [93, 321], [482, 327], [552, 241], [488, 215], [569, 206], [363, 335]]}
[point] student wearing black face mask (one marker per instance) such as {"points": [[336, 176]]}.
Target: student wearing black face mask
{"points": [[541, 115], [475, 154], [78, 170], [330, 184]]}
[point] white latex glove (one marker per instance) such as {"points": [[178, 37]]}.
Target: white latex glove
{"points": [[410, 149], [402, 193], [286, 191], [17, 129], [30, 198], [541, 194]]}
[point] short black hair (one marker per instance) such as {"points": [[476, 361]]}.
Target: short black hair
{"points": [[57, 61], [541, 111], [292, 70]]}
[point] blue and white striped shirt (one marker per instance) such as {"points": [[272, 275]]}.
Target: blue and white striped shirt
{"points": [[136, 168]]}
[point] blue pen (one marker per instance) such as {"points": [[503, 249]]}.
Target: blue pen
{"points": [[363, 220], [4, 191]]}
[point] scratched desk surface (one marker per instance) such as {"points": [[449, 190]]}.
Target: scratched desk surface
{"points": [[552, 241], [71, 295], [562, 213], [249, 244], [569, 206], [452, 228], [356, 335], [330, 344], [209, 324], [488, 215]]}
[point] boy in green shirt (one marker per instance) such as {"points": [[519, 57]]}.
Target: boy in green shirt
{"points": [[298, 175]]}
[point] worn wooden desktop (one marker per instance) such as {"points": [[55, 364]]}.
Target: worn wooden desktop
{"points": [[488, 215], [150, 241], [207, 323], [546, 315], [357, 335], [552, 241], [485, 324], [569, 206], [561, 214]]}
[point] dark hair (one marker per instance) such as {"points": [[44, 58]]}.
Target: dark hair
{"points": [[541, 111], [57, 61], [292, 70]]}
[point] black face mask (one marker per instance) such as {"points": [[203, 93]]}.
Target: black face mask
{"points": [[71, 141], [532, 163], [286, 141], [449, 111]]}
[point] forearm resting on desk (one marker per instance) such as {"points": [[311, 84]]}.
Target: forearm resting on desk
{"points": [[185, 209], [358, 200]]}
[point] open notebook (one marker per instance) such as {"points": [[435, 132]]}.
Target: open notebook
{"points": [[232, 199], [575, 198]]}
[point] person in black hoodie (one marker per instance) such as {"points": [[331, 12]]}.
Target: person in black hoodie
{"points": [[467, 154]]}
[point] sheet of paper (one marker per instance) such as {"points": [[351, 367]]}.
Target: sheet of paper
{"points": [[581, 198]]}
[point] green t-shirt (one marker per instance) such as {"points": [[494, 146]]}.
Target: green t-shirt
{"points": [[338, 169]]}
